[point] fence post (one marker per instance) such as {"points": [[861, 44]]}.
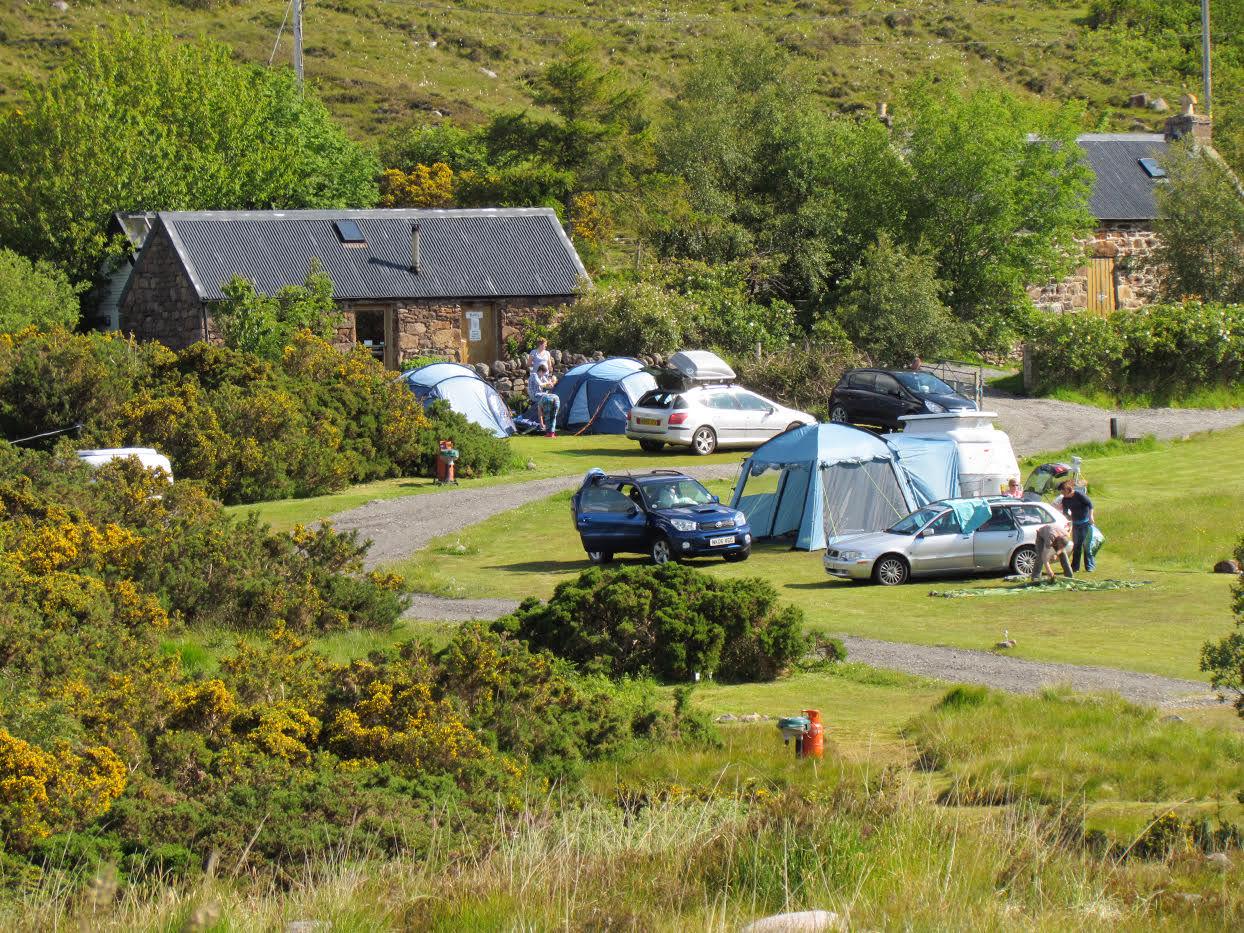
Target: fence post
{"points": [[980, 390], [757, 351]]}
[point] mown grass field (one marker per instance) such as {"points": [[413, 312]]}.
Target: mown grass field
{"points": [[539, 458], [1168, 513], [380, 62]]}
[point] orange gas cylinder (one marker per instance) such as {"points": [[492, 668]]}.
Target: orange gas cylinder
{"points": [[814, 741]]}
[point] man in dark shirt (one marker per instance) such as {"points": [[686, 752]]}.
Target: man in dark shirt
{"points": [[1079, 508]]}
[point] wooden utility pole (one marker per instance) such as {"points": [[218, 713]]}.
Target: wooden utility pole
{"points": [[298, 40], [1207, 107]]}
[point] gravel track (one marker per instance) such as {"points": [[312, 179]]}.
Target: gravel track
{"points": [[1035, 425], [399, 527]]}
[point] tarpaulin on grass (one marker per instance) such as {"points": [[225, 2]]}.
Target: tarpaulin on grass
{"points": [[1057, 585]]}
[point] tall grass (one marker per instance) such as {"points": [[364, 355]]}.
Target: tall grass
{"points": [[1060, 745], [881, 856]]}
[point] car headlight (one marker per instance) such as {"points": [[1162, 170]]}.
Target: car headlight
{"points": [[934, 407], [682, 524], [850, 555]]}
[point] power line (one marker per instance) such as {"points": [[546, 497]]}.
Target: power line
{"points": [[280, 29]]}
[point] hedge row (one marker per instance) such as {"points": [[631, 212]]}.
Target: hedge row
{"points": [[247, 428], [1161, 350]]}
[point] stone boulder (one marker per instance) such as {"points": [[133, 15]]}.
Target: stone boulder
{"points": [[1138, 100], [802, 921], [483, 370]]}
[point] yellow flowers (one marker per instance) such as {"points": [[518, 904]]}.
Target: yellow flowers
{"points": [[43, 792], [425, 186]]}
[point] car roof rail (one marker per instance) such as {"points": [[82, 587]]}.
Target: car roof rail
{"points": [[666, 473]]}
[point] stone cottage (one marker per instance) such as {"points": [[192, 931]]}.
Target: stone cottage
{"points": [[448, 283], [1127, 168]]}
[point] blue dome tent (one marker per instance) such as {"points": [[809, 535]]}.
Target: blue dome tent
{"points": [[466, 393], [823, 481], [596, 398]]}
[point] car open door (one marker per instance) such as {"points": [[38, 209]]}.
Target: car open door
{"points": [[995, 540], [608, 519]]}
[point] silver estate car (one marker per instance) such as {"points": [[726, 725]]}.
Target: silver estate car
{"points": [[707, 417], [931, 542]]}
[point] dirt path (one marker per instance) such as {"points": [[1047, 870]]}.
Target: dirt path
{"points": [[1037, 424]]}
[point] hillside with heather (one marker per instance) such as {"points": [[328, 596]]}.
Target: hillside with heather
{"points": [[380, 63]]}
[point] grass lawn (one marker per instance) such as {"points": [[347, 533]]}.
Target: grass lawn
{"points": [[1168, 513], [547, 457]]}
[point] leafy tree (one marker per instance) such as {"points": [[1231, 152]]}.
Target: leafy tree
{"points": [[1200, 227], [35, 293], [266, 324], [592, 126], [142, 121], [998, 211], [1224, 660], [891, 305]]}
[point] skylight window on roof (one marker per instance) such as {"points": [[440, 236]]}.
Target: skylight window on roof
{"points": [[1152, 168], [349, 232]]}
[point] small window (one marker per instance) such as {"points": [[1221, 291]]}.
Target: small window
{"points": [[349, 231], [887, 385], [863, 381], [749, 402], [597, 499], [1029, 515], [946, 524], [722, 400], [1000, 520], [1152, 168]]}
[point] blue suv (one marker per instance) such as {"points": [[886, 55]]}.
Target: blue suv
{"points": [[664, 514]]}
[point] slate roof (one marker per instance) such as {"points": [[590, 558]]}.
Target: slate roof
{"points": [[1122, 189], [476, 253]]}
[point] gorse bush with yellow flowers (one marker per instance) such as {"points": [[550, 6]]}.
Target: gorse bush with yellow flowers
{"points": [[246, 427], [112, 750]]}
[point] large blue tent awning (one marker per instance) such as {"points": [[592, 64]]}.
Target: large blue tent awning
{"points": [[828, 480]]}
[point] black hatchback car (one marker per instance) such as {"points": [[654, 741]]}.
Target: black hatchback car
{"points": [[880, 396]]}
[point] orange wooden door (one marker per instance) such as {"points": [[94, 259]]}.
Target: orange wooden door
{"points": [[1101, 292], [479, 332]]}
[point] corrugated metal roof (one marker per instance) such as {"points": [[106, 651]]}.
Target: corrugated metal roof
{"points": [[482, 253], [1123, 190]]}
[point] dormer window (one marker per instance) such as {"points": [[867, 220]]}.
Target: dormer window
{"points": [[349, 233]]}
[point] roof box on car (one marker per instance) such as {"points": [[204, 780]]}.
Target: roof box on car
{"points": [[701, 366]]}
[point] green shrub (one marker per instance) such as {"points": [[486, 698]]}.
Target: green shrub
{"points": [[308, 422], [803, 375], [479, 452], [668, 622], [1160, 350], [35, 294], [629, 320]]}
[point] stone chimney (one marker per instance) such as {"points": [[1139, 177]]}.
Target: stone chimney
{"points": [[1189, 123]]}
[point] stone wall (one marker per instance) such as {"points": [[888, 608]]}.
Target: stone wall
{"points": [[1130, 244], [161, 303]]}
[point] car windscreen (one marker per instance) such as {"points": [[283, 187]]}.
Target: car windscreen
{"points": [[924, 384], [914, 522], [674, 493], [661, 398]]}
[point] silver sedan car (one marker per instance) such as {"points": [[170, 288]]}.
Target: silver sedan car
{"points": [[931, 542], [709, 416]]}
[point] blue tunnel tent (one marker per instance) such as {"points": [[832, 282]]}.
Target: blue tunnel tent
{"points": [[824, 481], [466, 393], [596, 398]]}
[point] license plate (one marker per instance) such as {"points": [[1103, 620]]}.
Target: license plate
{"points": [[652, 421], [718, 542]]}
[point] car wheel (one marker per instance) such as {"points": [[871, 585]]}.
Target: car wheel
{"points": [[704, 441], [838, 414], [600, 557], [737, 558], [1023, 560], [651, 446], [662, 551], [891, 570]]}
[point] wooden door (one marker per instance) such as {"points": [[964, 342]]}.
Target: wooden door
{"points": [[1101, 294], [479, 332]]}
